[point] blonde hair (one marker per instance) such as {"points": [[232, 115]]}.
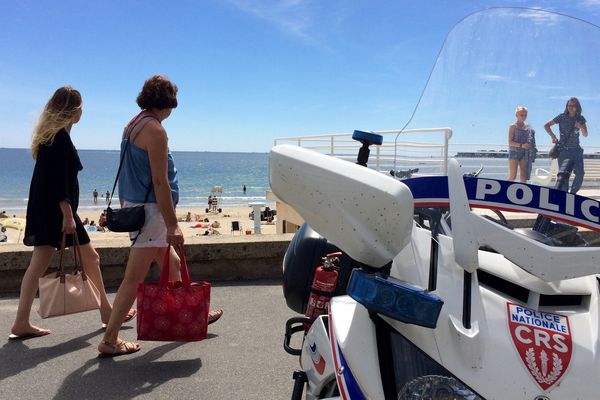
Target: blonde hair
{"points": [[521, 108], [59, 112]]}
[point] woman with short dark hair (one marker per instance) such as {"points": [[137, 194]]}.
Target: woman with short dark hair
{"points": [[148, 178]]}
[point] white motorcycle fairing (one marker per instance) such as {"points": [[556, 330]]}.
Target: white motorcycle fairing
{"points": [[364, 212]]}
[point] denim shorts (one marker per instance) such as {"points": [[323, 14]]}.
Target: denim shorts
{"points": [[517, 154]]}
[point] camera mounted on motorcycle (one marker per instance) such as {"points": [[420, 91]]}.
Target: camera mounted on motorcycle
{"points": [[367, 139]]}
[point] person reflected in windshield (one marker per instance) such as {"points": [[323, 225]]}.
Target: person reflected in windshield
{"points": [[570, 124], [521, 139]]}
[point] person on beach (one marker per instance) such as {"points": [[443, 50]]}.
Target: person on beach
{"points": [[95, 196], [52, 207], [107, 197], [570, 124], [520, 136], [148, 167]]}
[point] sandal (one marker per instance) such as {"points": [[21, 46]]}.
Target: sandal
{"points": [[130, 315], [214, 315], [119, 348]]}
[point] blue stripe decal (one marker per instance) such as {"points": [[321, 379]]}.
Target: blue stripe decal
{"points": [[494, 193], [354, 392]]}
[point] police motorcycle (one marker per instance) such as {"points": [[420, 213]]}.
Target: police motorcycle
{"points": [[435, 300]]}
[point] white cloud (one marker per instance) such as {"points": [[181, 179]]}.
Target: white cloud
{"points": [[540, 17], [491, 77], [291, 16]]}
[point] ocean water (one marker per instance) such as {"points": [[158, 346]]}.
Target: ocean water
{"points": [[198, 173]]}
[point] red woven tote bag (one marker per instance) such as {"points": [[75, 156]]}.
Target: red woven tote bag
{"points": [[168, 312]]}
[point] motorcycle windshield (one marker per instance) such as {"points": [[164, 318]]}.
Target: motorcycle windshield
{"points": [[494, 61], [501, 76]]}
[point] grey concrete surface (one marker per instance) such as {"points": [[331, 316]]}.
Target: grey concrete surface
{"points": [[243, 357]]}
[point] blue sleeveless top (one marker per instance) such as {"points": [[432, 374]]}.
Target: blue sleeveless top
{"points": [[522, 135], [136, 177]]}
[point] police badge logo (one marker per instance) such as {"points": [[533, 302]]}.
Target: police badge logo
{"points": [[543, 341]]}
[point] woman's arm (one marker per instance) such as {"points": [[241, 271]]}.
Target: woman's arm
{"points": [[549, 130], [583, 127], [68, 225], [157, 147]]}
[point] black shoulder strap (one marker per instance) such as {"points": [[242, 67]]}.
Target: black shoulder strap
{"points": [[127, 137]]}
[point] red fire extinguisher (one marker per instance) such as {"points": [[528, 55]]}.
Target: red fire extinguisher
{"points": [[323, 286]]}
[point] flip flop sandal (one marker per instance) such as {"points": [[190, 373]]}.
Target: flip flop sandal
{"points": [[119, 348], [130, 315], [29, 335]]}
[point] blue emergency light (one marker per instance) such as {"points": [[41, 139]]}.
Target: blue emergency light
{"points": [[395, 299]]}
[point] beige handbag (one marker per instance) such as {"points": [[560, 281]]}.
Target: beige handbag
{"points": [[62, 294]]}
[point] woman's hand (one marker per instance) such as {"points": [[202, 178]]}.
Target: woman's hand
{"points": [[174, 235], [525, 146], [68, 225]]}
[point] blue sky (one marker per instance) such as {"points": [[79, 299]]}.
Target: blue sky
{"points": [[247, 71]]}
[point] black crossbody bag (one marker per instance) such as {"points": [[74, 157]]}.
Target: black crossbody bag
{"points": [[555, 150], [129, 219]]}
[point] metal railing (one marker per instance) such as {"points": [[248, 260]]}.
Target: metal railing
{"points": [[429, 150], [427, 146]]}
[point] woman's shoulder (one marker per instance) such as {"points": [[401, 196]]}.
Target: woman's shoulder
{"points": [[62, 137]]}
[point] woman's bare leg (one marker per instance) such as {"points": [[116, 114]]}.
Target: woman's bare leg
{"points": [[512, 169], [135, 272], [91, 266], [523, 169], [40, 260]]}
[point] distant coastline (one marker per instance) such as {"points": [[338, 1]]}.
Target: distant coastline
{"points": [[504, 154]]}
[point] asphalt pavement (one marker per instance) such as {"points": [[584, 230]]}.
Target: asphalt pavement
{"points": [[242, 358]]}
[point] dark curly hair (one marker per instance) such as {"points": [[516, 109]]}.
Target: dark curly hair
{"points": [[158, 92]]}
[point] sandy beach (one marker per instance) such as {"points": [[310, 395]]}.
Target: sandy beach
{"points": [[190, 229]]}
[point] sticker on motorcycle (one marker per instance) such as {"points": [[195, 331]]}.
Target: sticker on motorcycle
{"points": [[543, 341], [317, 359]]}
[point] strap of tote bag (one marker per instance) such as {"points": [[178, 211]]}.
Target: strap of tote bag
{"points": [[76, 258]]}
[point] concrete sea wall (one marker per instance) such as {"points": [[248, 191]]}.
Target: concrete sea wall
{"points": [[222, 258]]}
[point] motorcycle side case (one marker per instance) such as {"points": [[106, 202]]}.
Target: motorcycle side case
{"points": [[302, 258]]}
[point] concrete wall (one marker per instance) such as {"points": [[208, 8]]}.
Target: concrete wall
{"points": [[220, 258]]}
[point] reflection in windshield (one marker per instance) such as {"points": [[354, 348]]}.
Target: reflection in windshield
{"points": [[496, 60]]}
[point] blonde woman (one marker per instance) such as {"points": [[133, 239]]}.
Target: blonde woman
{"points": [[520, 136], [52, 207]]}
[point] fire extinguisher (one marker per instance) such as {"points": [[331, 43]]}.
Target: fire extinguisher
{"points": [[323, 286]]}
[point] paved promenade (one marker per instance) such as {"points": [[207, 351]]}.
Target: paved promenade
{"points": [[242, 358]]}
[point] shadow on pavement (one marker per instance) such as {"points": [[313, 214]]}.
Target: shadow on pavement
{"points": [[125, 377], [17, 357]]}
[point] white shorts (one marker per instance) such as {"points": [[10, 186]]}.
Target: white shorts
{"points": [[154, 231]]}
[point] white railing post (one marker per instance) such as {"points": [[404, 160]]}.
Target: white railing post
{"points": [[332, 146], [447, 136], [378, 154]]}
